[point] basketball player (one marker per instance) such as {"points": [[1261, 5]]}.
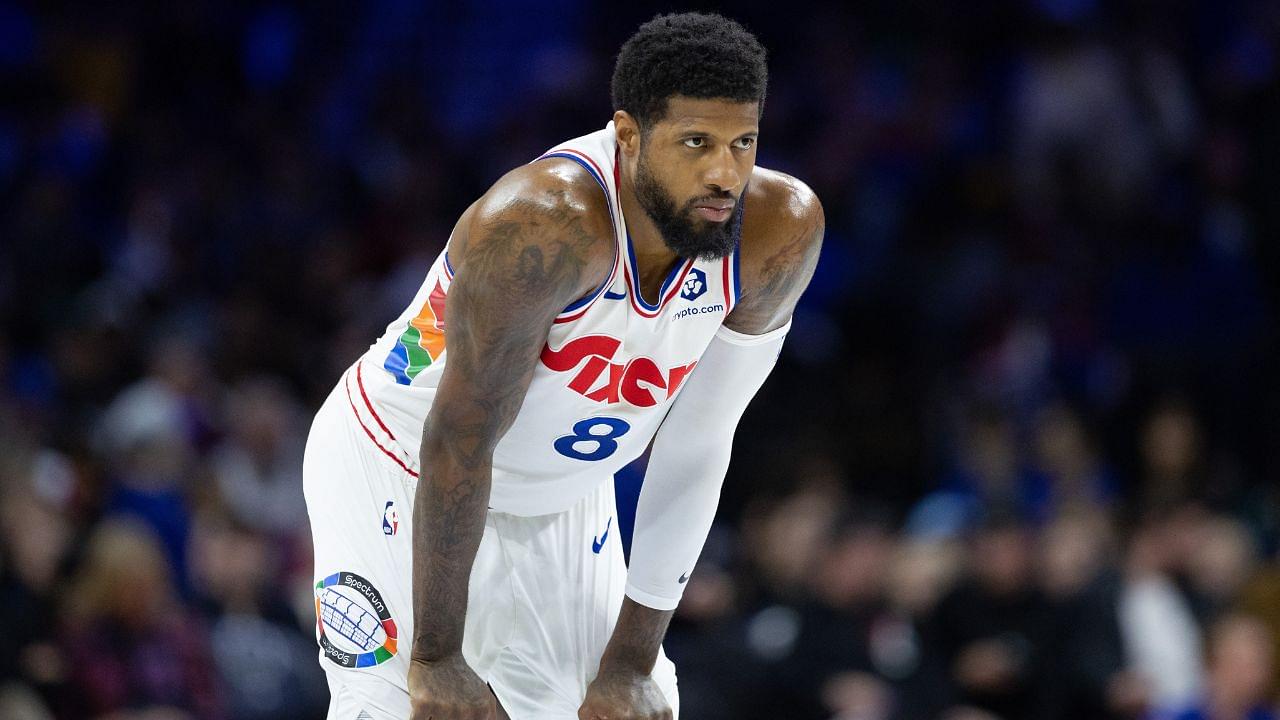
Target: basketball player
{"points": [[631, 285]]}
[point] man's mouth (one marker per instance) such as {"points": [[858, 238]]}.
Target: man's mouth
{"points": [[715, 210]]}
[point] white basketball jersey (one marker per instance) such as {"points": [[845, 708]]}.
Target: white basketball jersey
{"points": [[611, 367]]}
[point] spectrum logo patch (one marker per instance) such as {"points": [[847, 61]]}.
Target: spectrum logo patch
{"points": [[353, 624]]}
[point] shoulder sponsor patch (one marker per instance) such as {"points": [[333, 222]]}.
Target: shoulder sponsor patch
{"points": [[353, 623]]}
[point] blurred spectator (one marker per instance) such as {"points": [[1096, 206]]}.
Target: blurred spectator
{"points": [[921, 574], [128, 643], [37, 539], [841, 647], [18, 702], [987, 471], [1075, 549], [1162, 639], [267, 667], [258, 467], [1091, 116], [1241, 663], [991, 631], [784, 543], [1171, 454], [1260, 598], [1070, 474], [149, 454], [1079, 578], [990, 466], [865, 639], [1221, 558]]}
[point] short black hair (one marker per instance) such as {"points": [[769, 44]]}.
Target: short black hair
{"points": [[699, 55]]}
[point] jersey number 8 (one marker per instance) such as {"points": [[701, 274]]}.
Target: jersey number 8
{"points": [[586, 433]]}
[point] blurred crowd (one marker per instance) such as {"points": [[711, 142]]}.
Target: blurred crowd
{"points": [[1019, 459], [824, 609]]}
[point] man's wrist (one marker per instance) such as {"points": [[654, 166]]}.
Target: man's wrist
{"points": [[624, 666], [437, 639], [433, 655], [637, 637], [435, 659]]}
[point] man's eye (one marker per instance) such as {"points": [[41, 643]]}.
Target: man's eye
{"points": [[745, 143], [694, 142]]}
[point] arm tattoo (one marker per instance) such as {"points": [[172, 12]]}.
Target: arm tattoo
{"points": [[518, 271], [781, 278]]}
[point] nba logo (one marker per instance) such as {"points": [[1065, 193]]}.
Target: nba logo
{"points": [[390, 519]]}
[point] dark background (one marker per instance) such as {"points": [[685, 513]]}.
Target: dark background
{"points": [[1019, 459]]}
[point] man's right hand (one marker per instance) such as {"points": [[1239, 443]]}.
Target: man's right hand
{"points": [[448, 689]]}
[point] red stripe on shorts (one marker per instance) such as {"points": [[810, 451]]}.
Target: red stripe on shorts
{"points": [[368, 432], [374, 413]]}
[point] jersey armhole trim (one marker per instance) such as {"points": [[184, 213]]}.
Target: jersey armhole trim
{"points": [[727, 282], [737, 272], [577, 308]]}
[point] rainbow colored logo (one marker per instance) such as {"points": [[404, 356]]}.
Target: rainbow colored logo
{"points": [[422, 342], [353, 625]]}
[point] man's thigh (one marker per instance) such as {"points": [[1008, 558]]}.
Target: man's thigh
{"points": [[543, 596], [568, 578], [360, 497], [359, 501]]}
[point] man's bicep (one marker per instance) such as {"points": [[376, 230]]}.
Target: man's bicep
{"points": [[529, 253], [524, 261], [774, 281]]}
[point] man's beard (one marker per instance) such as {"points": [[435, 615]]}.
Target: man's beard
{"points": [[704, 240]]}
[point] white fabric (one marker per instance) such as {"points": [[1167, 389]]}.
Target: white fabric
{"points": [[1162, 640], [542, 603], [687, 466]]}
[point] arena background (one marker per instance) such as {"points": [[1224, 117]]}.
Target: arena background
{"points": [[1019, 459]]}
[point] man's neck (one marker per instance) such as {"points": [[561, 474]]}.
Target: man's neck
{"points": [[653, 258]]}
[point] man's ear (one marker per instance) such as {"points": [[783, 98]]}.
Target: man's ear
{"points": [[628, 132]]}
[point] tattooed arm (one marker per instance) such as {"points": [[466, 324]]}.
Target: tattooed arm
{"points": [[779, 253], [538, 240], [780, 244], [623, 688]]}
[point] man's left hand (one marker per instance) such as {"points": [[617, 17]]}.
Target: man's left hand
{"points": [[624, 696]]}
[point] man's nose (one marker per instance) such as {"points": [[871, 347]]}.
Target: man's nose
{"points": [[722, 172]]}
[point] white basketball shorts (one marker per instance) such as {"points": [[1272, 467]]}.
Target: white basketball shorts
{"points": [[543, 596]]}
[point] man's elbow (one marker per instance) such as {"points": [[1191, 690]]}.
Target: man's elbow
{"points": [[447, 450]]}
